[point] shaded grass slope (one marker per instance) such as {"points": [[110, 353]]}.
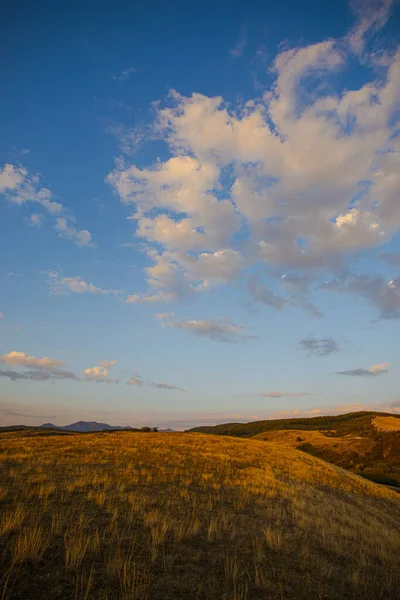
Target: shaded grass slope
{"points": [[179, 516]]}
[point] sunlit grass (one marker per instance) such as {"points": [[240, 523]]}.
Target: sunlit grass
{"points": [[169, 516]]}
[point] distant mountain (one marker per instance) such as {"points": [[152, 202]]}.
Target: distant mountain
{"points": [[84, 426]]}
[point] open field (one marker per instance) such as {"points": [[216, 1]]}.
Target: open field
{"points": [[181, 516]]}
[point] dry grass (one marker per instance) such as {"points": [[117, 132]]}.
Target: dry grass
{"points": [[185, 516], [386, 423]]}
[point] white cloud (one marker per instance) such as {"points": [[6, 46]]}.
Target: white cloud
{"points": [[218, 330], [99, 373], [41, 369], [20, 187], [2, 316], [77, 285], [21, 359], [68, 231], [298, 179]]}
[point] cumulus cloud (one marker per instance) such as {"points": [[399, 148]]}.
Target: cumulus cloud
{"points": [[218, 330], [257, 182], [373, 371], [21, 359], [100, 373], [41, 369], [385, 295], [77, 285], [20, 187], [320, 346]]}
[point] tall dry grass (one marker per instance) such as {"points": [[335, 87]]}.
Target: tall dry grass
{"points": [[184, 516]]}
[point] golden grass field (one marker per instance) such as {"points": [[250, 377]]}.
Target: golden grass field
{"points": [[118, 516], [386, 423]]}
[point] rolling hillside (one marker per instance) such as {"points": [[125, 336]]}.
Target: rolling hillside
{"points": [[366, 443], [357, 422], [169, 517]]}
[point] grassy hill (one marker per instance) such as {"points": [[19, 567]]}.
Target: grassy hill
{"points": [[357, 422], [366, 443], [178, 516]]}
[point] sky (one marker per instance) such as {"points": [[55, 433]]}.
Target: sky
{"points": [[199, 211]]}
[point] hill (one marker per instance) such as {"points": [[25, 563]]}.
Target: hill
{"points": [[357, 422], [366, 443], [85, 426], [178, 516]]}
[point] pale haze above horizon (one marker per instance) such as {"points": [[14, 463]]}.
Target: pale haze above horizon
{"points": [[200, 211]]}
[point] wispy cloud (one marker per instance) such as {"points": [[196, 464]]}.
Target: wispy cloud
{"points": [[392, 258], [238, 48], [385, 295], [76, 285], [136, 381], [165, 386], [20, 187], [371, 16], [373, 371], [218, 330], [67, 230], [35, 220], [320, 346], [124, 74], [296, 287], [37, 375], [283, 394]]}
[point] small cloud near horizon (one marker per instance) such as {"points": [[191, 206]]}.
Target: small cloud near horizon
{"points": [[373, 371]]}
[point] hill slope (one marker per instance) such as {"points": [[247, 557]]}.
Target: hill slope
{"points": [[366, 443], [357, 422], [150, 516]]}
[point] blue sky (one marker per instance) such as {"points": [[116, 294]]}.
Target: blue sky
{"points": [[199, 211]]}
